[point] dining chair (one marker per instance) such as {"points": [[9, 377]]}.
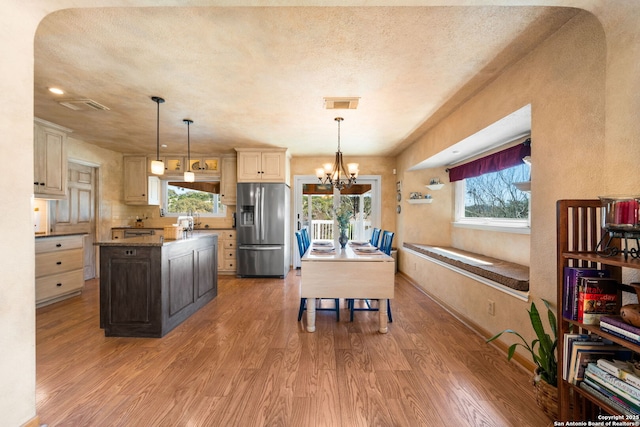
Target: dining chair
{"points": [[385, 246], [305, 237], [302, 248], [375, 237]]}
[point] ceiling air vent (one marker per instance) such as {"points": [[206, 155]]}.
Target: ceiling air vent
{"points": [[341, 103], [82, 104]]}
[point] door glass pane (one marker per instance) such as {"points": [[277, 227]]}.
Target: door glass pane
{"points": [[357, 200], [317, 211]]}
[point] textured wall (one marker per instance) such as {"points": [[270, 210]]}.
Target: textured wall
{"points": [[564, 81]]}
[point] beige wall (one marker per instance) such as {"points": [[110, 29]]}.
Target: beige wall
{"points": [[564, 81], [604, 94]]}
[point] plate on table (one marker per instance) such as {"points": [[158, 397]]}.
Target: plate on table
{"points": [[321, 243], [324, 249], [359, 243], [367, 249]]}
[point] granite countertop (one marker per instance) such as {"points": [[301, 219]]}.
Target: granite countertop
{"points": [[61, 234], [152, 240], [128, 227]]}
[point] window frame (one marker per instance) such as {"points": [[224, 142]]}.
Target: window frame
{"points": [[165, 201], [507, 225]]}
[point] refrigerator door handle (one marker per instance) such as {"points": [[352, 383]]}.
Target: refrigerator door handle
{"points": [[262, 219], [258, 222]]}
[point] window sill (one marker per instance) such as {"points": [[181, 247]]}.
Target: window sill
{"points": [[488, 226]]}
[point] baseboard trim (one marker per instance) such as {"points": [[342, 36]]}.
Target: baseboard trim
{"points": [[33, 422], [521, 361]]}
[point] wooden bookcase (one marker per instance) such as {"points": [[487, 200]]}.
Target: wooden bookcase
{"points": [[579, 229]]}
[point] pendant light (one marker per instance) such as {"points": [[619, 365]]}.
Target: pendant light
{"points": [[188, 175], [157, 165], [337, 174]]}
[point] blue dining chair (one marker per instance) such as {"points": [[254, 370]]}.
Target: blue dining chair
{"points": [[375, 236], [385, 246], [302, 248], [305, 237]]}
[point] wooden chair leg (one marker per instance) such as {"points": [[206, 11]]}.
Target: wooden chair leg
{"points": [[303, 303], [337, 300]]}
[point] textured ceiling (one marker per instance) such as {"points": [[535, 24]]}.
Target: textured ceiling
{"points": [[257, 76]]}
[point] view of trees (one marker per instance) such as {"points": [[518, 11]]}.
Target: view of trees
{"points": [[492, 195], [181, 200], [322, 206]]}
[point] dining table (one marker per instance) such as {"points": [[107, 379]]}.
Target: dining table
{"points": [[358, 271]]}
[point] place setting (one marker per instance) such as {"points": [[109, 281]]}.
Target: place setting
{"points": [[323, 248], [366, 250]]}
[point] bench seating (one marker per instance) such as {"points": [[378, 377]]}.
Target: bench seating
{"points": [[512, 275]]}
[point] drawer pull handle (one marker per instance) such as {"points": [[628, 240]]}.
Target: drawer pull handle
{"points": [[59, 263], [58, 284], [58, 245]]}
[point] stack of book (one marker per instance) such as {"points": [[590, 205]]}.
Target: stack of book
{"points": [[613, 382], [589, 294], [618, 327], [581, 349], [573, 288]]}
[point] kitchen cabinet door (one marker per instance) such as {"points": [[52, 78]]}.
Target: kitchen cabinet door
{"points": [[50, 162], [140, 189], [228, 181]]}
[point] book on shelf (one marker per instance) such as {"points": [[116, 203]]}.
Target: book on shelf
{"points": [[583, 353], [614, 384], [597, 297], [572, 277], [580, 339], [621, 369], [604, 394], [620, 323], [621, 333]]}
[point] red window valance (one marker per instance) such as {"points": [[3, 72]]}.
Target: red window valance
{"points": [[492, 163]]}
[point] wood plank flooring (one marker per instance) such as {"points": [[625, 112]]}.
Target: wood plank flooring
{"points": [[244, 360]]}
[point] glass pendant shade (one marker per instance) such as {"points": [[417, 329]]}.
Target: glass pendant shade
{"points": [[157, 167], [189, 176]]}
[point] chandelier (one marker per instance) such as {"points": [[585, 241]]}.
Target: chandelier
{"points": [[336, 174]]}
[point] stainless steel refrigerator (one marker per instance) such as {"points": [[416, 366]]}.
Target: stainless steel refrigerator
{"points": [[262, 227]]}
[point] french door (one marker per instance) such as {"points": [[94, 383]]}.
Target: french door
{"points": [[315, 204]]}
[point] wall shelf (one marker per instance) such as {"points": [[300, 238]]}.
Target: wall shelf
{"points": [[419, 201], [434, 186]]}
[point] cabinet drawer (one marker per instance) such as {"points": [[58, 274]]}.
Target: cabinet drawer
{"points": [[58, 262], [58, 284], [229, 244], [228, 234], [229, 264], [229, 254], [52, 244]]}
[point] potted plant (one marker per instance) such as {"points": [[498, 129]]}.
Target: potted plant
{"points": [[342, 216], [543, 353]]}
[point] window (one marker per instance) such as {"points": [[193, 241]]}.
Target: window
{"points": [[494, 197], [189, 198]]}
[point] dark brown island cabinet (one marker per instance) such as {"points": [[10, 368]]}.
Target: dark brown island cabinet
{"points": [[148, 285]]}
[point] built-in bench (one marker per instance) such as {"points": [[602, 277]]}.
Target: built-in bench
{"points": [[509, 274]]}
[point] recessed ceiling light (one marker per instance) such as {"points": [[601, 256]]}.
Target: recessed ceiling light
{"points": [[164, 146], [455, 152], [56, 90]]}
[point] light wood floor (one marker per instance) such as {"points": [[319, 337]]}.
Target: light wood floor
{"points": [[244, 360]]}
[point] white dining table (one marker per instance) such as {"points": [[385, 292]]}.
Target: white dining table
{"points": [[346, 273]]}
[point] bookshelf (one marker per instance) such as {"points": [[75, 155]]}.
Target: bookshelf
{"points": [[579, 231]]}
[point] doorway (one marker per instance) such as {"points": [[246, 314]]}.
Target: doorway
{"points": [[76, 213], [315, 203]]}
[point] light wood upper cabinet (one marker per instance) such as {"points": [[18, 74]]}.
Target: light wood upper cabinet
{"points": [[267, 165], [206, 165], [228, 181], [139, 189], [49, 160]]}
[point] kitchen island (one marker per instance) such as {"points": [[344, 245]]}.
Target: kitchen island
{"points": [[149, 285]]}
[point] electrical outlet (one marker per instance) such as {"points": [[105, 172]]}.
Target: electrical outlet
{"points": [[491, 308]]}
